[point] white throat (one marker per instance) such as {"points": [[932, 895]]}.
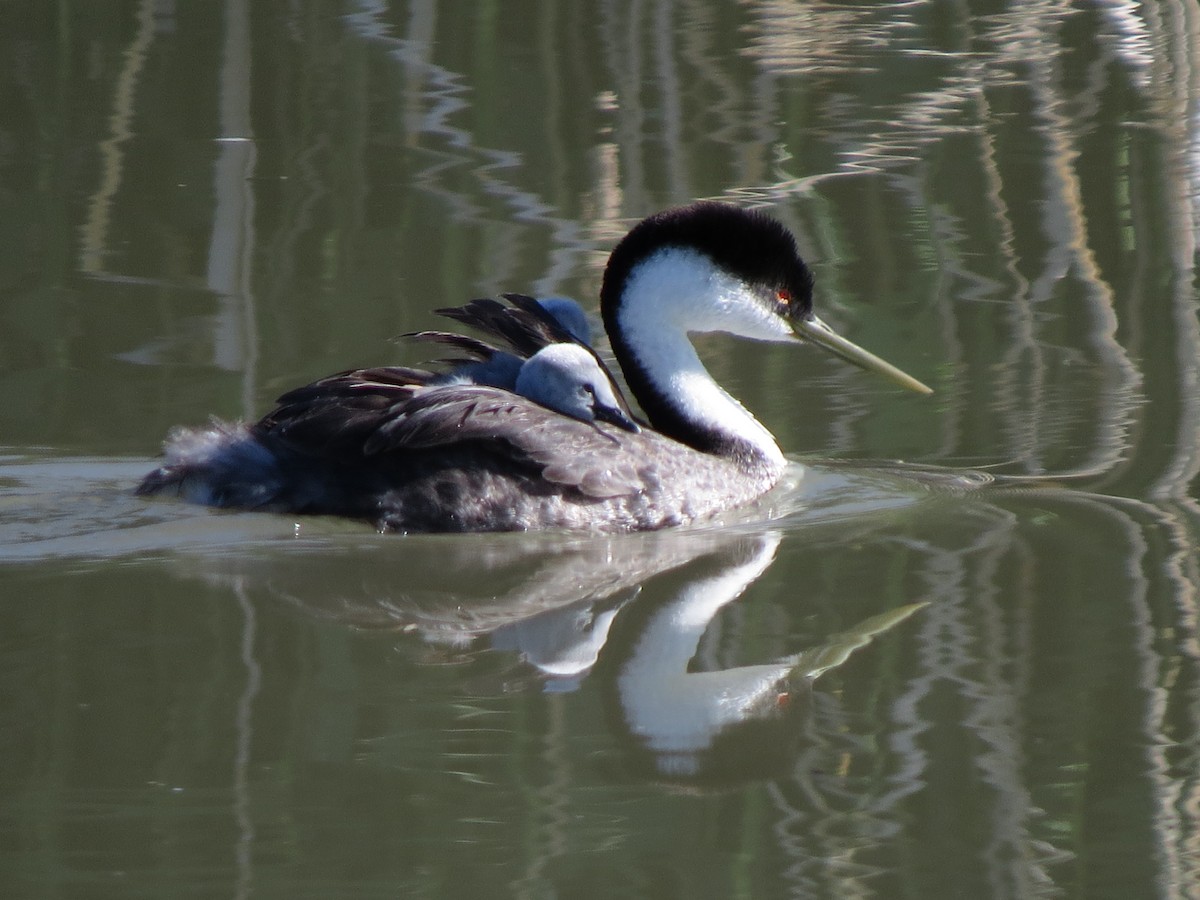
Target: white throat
{"points": [[677, 291]]}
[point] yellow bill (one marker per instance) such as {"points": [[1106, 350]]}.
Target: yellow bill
{"points": [[817, 332]]}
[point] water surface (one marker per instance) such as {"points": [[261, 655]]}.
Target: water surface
{"points": [[973, 673]]}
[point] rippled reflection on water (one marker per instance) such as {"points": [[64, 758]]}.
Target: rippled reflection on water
{"points": [[206, 205]]}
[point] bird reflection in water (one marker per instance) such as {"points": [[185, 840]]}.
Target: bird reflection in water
{"points": [[578, 609], [732, 723]]}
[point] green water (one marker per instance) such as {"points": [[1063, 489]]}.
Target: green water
{"points": [[884, 681]]}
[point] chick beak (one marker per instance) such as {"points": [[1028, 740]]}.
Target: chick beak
{"points": [[615, 416]]}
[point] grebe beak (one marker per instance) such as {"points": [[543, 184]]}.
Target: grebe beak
{"points": [[817, 332]]}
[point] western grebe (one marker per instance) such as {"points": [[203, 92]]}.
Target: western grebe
{"points": [[388, 446]]}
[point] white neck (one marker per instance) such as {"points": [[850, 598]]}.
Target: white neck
{"points": [[676, 710], [678, 291]]}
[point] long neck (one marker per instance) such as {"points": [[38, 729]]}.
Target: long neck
{"points": [[647, 325]]}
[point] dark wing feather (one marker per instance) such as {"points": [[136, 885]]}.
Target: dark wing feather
{"points": [[337, 414], [444, 416], [354, 384], [376, 412], [569, 452], [474, 349], [526, 330], [539, 321], [526, 327]]}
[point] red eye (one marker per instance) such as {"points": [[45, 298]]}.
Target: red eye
{"points": [[783, 297]]}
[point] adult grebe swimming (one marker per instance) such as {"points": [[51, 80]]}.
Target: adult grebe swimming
{"points": [[393, 447]]}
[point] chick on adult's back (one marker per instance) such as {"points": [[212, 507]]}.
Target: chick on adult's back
{"points": [[389, 446]]}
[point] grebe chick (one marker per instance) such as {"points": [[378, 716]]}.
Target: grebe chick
{"points": [[565, 378]]}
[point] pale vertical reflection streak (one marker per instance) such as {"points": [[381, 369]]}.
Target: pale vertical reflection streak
{"points": [[620, 180], [1011, 858], [1178, 72], [621, 31], [1180, 521], [1066, 230], [568, 233], [231, 247], [95, 227], [244, 731], [1171, 824], [1151, 666], [552, 803], [971, 654], [230, 268], [1185, 571], [705, 70], [1180, 803], [1033, 45], [980, 287], [1191, 33], [672, 102]]}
